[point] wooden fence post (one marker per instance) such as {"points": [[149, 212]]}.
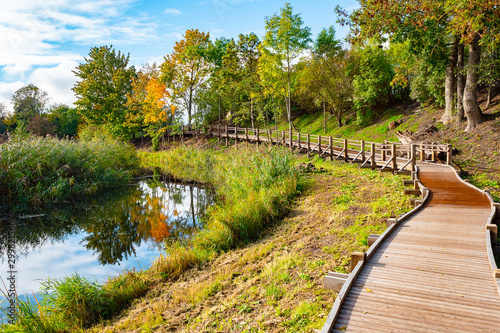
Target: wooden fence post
{"points": [[372, 157], [308, 146], [298, 141], [383, 152], [291, 136], [182, 127], [258, 138], [346, 154], [246, 136], [362, 151], [413, 156], [449, 151], [227, 136], [393, 153], [330, 143], [422, 153], [218, 131], [236, 136], [319, 145], [433, 152]]}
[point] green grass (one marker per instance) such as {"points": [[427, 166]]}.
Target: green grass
{"points": [[254, 188], [37, 171], [378, 131]]}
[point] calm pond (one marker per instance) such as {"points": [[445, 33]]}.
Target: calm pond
{"points": [[119, 230]]}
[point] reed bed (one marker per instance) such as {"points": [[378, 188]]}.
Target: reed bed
{"points": [[254, 187], [35, 171]]}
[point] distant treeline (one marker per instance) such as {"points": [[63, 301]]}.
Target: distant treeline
{"points": [[436, 53]]}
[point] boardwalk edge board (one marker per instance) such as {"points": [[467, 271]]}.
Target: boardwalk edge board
{"points": [[495, 213]]}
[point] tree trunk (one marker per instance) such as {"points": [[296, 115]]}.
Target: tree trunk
{"points": [[251, 111], [288, 105], [324, 116], [275, 117], [219, 111], [449, 85], [190, 103], [471, 106], [460, 83], [339, 117]]}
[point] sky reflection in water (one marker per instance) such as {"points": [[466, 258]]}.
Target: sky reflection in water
{"points": [[98, 238]]}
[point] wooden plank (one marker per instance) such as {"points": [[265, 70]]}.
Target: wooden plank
{"points": [[432, 272]]}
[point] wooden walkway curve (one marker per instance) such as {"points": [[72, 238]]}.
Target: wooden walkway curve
{"points": [[433, 269], [433, 272]]}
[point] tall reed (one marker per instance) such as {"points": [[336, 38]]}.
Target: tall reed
{"points": [[35, 170]]}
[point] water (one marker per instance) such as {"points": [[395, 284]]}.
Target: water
{"points": [[119, 230]]}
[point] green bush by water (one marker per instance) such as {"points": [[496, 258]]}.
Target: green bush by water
{"points": [[35, 170]]}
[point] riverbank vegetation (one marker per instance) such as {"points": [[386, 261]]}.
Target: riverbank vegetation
{"points": [[36, 171], [254, 188], [275, 283]]}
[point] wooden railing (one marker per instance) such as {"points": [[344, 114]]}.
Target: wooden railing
{"points": [[387, 156]]}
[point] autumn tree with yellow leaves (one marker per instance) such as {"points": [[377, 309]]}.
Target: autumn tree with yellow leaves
{"points": [[150, 105]]}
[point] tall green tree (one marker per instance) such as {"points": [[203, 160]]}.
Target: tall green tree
{"points": [[330, 75], [187, 69], [210, 99], [372, 76], [29, 101], [434, 26], [285, 39], [249, 54], [65, 119], [105, 80]]}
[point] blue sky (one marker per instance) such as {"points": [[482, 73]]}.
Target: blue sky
{"points": [[42, 41]]}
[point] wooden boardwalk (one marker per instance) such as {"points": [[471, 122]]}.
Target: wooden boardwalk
{"points": [[433, 269], [387, 156], [432, 273]]}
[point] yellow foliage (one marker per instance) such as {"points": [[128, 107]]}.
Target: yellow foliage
{"points": [[155, 102]]}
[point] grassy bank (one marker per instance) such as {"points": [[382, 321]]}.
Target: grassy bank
{"points": [[275, 283], [254, 189], [35, 171]]}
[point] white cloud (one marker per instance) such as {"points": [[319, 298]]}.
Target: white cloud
{"points": [[34, 33], [57, 81], [172, 11], [6, 92]]}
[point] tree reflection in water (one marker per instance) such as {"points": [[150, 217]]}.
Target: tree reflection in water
{"points": [[116, 223]]}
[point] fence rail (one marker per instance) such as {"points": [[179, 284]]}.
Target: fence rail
{"points": [[387, 156]]}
